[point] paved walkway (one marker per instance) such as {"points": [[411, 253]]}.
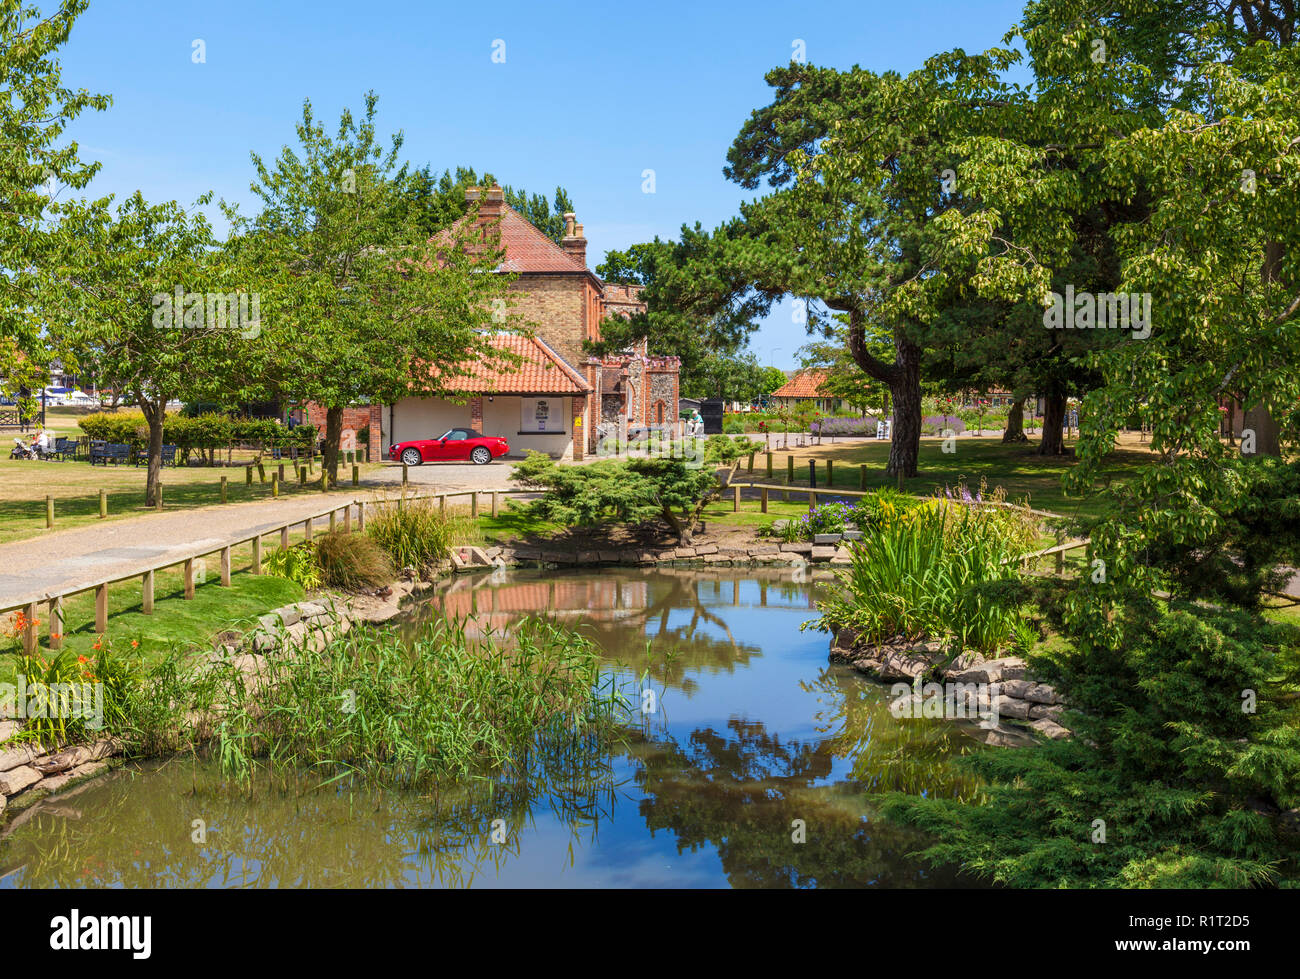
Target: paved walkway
{"points": [[65, 559]]}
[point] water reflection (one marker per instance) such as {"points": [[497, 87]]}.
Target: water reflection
{"points": [[753, 736]]}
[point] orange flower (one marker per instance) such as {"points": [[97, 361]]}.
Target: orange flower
{"points": [[96, 646], [83, 659], [134, 643]]}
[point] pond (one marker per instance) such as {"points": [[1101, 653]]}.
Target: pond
{"points": [[755, 766]]}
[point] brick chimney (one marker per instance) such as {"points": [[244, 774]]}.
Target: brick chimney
{"points": [[494, 203], [574, 244]]}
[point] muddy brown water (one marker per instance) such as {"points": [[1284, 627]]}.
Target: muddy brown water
{"points": [[757, 768]]}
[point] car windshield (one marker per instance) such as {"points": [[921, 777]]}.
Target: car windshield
{"points": [[459, 435]]}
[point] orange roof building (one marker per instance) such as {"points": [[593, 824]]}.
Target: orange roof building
{"points": [[807, 387], [556, 398]]}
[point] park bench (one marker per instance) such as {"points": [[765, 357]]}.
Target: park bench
{"points": [[64, 448], [107, 452], [168, 455]]}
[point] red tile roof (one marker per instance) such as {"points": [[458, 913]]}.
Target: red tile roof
{"points": [[526, 248], [804, 384], [541, 371]]}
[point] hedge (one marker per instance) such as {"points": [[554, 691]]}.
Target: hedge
{"points": [[208, 431]]}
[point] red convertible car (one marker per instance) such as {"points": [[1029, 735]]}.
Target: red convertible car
{"points": [[456, 445]]}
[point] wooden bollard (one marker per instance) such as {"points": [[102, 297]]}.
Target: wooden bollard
{"points": [[103, 504], [812, 473], [49, 511], [281, 472], [146, 593], [830, 473], [189, 578], [261, 473], [257, 552], [751, 462], [101, 609], [812, 500], [442, 503], [225, 567], [735, 498], [473, 505], [307, 529], [223, 489], [347, 519], [324, 480], [332, 520], [769, 466], [789, 475], [284, 538], [302, 475], [361, 516], [56, 622], [494, 503], [405, 474], [275, 484], [356, 475], [862, 477], [762, 499]]}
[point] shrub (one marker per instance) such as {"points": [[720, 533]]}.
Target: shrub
{"points": [[416, 534], [924, 576], [827, 427], [352, 561], [297, 563], [206, 431], [941, 424]]}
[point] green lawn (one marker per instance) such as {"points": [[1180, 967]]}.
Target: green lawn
{"points": [[1022, 473], [174, 620], [75, 487]]}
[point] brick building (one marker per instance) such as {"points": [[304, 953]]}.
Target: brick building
{"points": [[558, 400]]}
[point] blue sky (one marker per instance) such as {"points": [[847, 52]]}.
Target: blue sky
{"points": [[588, 96]]}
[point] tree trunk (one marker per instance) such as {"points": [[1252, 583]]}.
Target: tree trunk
{"points": [[904, 379], [1053, 441], [154, 414], [1015, 430], [1267, 431], [905, 391], [333, 436]]}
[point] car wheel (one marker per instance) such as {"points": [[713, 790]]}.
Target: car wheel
{"points": [[481, 456], [412, 457]]}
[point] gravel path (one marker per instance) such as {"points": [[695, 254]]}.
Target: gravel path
{"points": [[64, 559]]}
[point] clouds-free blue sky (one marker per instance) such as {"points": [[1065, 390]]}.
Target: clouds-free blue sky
{"points": [[589, 95]]}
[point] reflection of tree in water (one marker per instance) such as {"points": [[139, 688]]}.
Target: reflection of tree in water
{"points": [[741, 793], [128, 830], [889, 754]]}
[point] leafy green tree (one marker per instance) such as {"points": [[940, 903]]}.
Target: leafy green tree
{"points": [[672, 486], [699, 308], [439, 200], [112, 299], [1185, 706], [34, 114], [359, 305]]}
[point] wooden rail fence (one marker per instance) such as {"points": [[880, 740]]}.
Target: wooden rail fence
{"points": [[191, 561]]}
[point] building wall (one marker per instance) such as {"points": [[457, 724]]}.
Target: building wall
{"points": [[555, 307], [424, 418], [502, 416], [355, 419]]}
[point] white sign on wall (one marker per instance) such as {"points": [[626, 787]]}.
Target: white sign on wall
{"points": [[541, 414]]}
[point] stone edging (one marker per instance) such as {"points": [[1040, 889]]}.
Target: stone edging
{"points": [[1014, 694]]}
